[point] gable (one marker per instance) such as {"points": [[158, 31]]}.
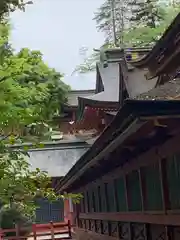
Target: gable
{"points": [[135, 80], [99, 82]]}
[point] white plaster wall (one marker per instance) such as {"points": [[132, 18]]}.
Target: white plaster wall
{"points": [[57, 162]]}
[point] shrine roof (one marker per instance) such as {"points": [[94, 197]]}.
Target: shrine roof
{"points": [[160, 52], [74, 94], [108, 98], [124, 124], [110, 95], [169, 90]]}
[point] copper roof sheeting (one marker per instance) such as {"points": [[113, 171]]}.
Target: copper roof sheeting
{"points": [[110, 79], [74, 94], [169, 90], [110, 74]]}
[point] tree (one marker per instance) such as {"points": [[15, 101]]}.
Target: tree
{"points": [[147, 13], [19, 186], [145, 36], [30, 92], [111, 19], [137, 36], [7, 6], [88, 61]]}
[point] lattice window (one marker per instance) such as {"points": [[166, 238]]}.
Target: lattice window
{"points": [[124, 231], [93, 225], [153, 192], [158, 232], [176, 233], [83, 223], [121, 195], [114, 229], [138, 231], [134, 193], [98, 226], [88, 224], [173, 178], [105, 227]]}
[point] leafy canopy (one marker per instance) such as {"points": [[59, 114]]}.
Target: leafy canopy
{"points": [[7, 6], [30, 92], [144, 23], [20, 186]]}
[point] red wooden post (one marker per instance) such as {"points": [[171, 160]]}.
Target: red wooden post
{"points": [[52, 230], [34, 231], [17, 229], [69, 229], [1, 234]]}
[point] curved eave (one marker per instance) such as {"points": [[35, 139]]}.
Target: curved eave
{"points": [[171, 32], [99, 104], [119, 128]]}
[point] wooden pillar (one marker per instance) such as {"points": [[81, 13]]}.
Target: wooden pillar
{"points": [[142, 190], [130, 232], [164, 184], [68, 210], [147, 232], [126, 192], [115, 195], [169, 233]]}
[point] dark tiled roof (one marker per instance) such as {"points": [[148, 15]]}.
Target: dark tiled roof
{"points": [[109, 75], [170, 90], [74, 94], [171, 32]]}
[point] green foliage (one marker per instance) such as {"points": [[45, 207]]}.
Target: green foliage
{"points": [[104, 19], [140, 31], [11, 216], [30, 90], [7, 6], [147, 13], [145, 35], [89, 61], [19, 185]]}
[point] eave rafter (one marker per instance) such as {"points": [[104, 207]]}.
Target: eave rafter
{"points": [[163, 58]]}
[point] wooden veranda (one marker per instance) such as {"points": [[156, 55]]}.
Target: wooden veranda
{"points": [[50, 231]]}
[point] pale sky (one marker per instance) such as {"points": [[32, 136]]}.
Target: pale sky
{"points": [[59, 28]]}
